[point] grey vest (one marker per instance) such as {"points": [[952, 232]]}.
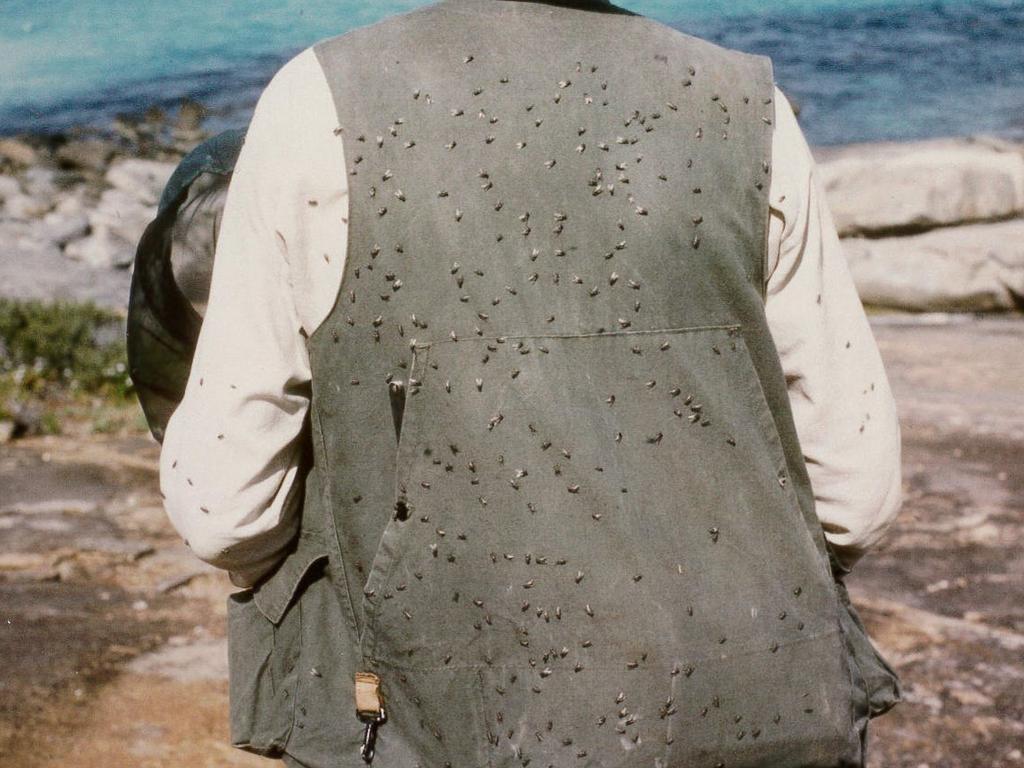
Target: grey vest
{"points": [[557, 503]]}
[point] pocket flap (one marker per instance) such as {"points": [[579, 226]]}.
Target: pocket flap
{"points": [[881, 682], [274, 594]]}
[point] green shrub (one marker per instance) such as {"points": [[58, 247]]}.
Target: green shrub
{"points": [[63, 346]]}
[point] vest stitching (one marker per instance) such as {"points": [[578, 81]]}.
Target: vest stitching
{"points": [[746, 650], [610, 334]]}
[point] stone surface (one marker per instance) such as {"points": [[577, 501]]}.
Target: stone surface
{"points": [[191, 662], [87, 154], [17, 151], [977, 267], [116, 223], [9, 186], [63, 226], [24, 207], [901, 188], [41, 182], [144, 180], [33, 270], [122, 214], [103, 250]]}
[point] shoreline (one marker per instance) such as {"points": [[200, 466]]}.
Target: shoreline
{"points": [[932, 226]]}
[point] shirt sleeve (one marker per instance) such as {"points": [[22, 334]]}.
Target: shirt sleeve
{"points": [[842, 404], [234, 452]]}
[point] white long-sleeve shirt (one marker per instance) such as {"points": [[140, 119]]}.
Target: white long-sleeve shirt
{"points": [[229, 461]]}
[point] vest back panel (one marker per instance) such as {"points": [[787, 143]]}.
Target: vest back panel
{"points": [[568, 502]]}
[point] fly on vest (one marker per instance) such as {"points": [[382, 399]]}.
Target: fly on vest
{"points": [[557, 513]]}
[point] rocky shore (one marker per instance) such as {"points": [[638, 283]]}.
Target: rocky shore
{"points": [[72, 207], [933, 226]]}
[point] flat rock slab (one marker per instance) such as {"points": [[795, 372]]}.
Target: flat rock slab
{"points": [[956, 375], [43, 272], [876, 189], [186, 663], [974, 268]]}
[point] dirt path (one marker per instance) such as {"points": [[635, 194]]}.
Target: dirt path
{"points": [[112, 634]]}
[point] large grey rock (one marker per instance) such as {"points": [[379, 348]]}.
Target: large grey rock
{"points": [[121, 213], [61, 227], [116, 224], [979, 267], [103, 249], [43, 272], [142, 179], [912, 187]]}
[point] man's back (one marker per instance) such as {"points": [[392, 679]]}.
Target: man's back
{"points": [[556, 480]]}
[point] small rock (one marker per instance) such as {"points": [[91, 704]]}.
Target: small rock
{"points": [[86, 154], [102, 250], [27, 417], [62, 227], [23, 561], [17, 151], [7, 430], [41, 182], [26, 207], [71, 570], [144, 180], [190, 116], [176, 582], [122, 214], [9, 187], [110, 545], [32, 576], [52, 506], [968, 697]]}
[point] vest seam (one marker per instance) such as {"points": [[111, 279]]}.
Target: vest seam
{"points": [[770, 86], [318, 50], [747, 651], [638, 332], [325, 488], [283, 745]]}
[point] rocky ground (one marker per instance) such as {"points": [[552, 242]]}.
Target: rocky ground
{"points": [[112, 634]]}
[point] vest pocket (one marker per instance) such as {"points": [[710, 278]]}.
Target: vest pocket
{"points": [[264, 640], [877, 679], [606, 513], [404, 399]]}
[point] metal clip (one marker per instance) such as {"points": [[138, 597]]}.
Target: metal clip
{"points": [[370, 710], [370, 734]]}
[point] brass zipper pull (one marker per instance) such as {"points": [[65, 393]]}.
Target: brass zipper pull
{"points": [[370, 710]]}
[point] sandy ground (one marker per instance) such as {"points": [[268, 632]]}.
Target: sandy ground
{"points": [[112, 634]]}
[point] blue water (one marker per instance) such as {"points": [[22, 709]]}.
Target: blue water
{"points": [[859, 69]]}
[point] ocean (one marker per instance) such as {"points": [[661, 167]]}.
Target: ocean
{"points": [[860, 70]]}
